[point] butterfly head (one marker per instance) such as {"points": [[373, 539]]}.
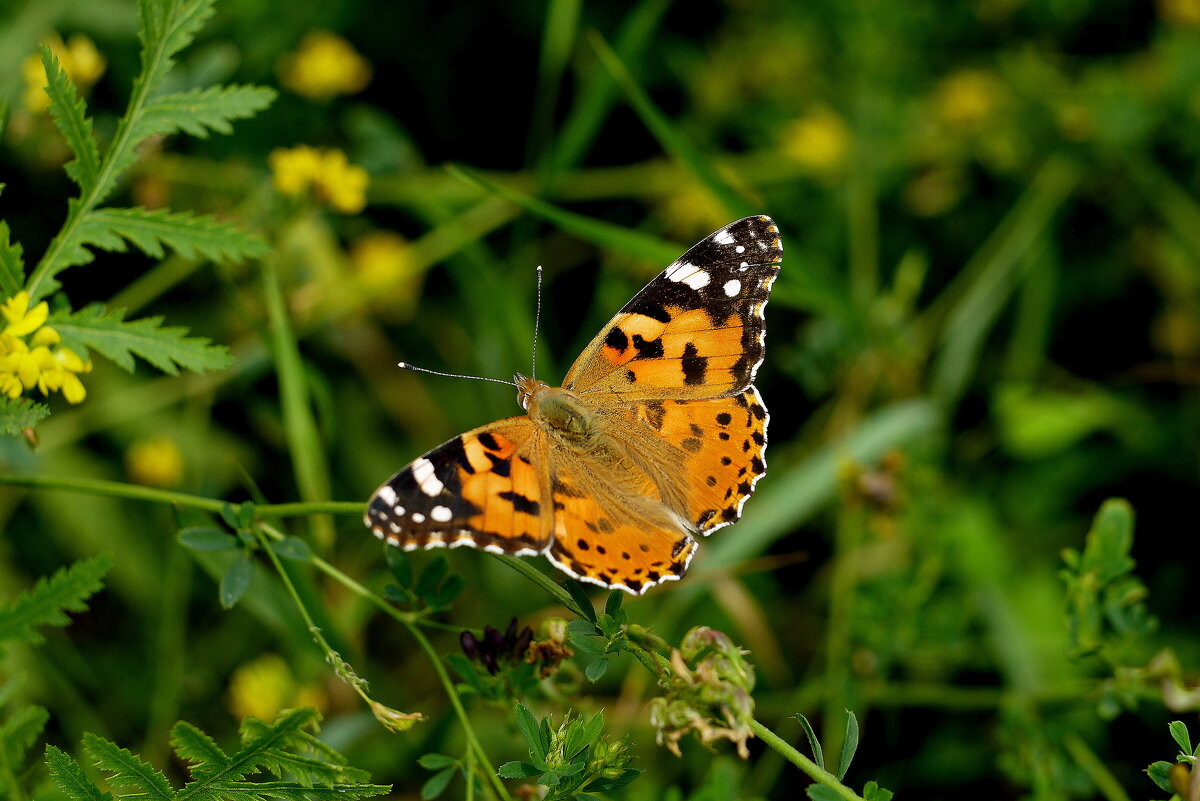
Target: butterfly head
{"points": [[527, 388]]}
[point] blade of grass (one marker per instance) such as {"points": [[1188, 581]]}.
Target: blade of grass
{"points": [[303, 438], [602, 234], [680, 148]]}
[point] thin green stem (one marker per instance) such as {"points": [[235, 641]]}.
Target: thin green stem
{"points": [[118, 489], [1096, 770], [814, 771]]}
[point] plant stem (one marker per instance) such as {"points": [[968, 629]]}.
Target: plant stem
{"points": [[1096, 770], [814, 771], [118, 489]]}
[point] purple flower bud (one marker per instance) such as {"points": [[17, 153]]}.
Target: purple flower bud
{"points": [[470, 645]]}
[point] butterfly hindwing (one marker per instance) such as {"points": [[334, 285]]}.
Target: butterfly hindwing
{"points": [[481, 489], [695, 331]]}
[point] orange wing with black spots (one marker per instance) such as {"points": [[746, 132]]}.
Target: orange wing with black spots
{"points": [[483, 489], [607, 536], [723, 442], [695, 331]]}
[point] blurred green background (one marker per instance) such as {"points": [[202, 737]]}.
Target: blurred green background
{"points": [[987, 323]]}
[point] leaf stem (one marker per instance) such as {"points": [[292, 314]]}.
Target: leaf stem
{"points": [[814, 771]]}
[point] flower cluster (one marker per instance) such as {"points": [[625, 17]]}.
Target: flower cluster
{"points": [[78, 57], [30, 354], [819, 141], [324, 65], [328, 174], [496, 648], [709, 693]]}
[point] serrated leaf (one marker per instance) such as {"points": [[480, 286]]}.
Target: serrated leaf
{"points": [[193, 745], [1160, 774], [206, 538], [813, 742], [18, 415], [597, 669], [46, 603], [434, 761], [849, 745], [236, 581], [593, 730], [437, 783], [292, 548], [517, 770], [167, 348], [528, 726], [12, 263], [152, 230], [22, 730], [71, 779], [125, 770], [199, 111], [70, 117]]}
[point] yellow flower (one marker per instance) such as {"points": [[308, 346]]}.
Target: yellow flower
{"points": [[1184, 13], [968, 98], [327, 173], [382, 260], [324, 65], [78, 57], [155, 461], [264, 686], [820, 141], [49, 369]]}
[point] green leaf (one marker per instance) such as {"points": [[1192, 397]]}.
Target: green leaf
{"points": [[1109, 541], [70, 116], [821, 792], [46, 603], [123, 769], [1160, 774], [849, 745], [517, 770], [605, 235], [612, 604], [167, 348], [21, 731], [400, 565], [71, 779], [597, 669], [153, 230], [437, 783], [206, 538], [12, 264], [592, 731], [1179, 734], [873, 792], [293, 548], [199, 111], [604, 783], [434, 761], [813, 742], [449, 590], [588, 644], [20, 414], [432, 576], [528, 726], [236, 581]]}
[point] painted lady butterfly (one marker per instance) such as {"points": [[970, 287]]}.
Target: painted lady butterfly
{"points": [[656, 434]]}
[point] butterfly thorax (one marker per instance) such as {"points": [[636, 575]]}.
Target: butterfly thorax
{"points": [[556, 409]]}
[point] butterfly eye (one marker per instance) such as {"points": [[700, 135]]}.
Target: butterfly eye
{"points": [[523, 399]]}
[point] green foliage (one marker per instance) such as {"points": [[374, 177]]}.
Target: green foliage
{"points": [[167, 348], [70, 115], [12, 264], [18, 415], [294, 764], [47, 603], [572, 760], [1176, 777], [1105, 602]]}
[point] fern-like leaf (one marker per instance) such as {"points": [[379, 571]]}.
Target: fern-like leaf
{"points": [[70, 116], [49, 600], [193, 745], [167, 348], [12, 263], [126, 770], [71, 779], [199, 111], [18, 415], [193, 236], [20, 732]]}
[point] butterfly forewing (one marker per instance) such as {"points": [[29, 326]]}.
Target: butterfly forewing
{"points": [[695, 331]]}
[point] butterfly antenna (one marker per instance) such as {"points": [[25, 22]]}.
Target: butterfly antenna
{"points": [[413, 367], [537, 319]]}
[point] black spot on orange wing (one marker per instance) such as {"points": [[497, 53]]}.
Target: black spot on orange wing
{"points": [[616, 339], [521, 503], [652, 349], [694, 365]]}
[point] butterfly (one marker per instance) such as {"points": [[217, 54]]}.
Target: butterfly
{"points": [[657, 434]]}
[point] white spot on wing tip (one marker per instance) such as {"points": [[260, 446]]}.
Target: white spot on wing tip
{"points": [[386, 494], [697, 280], [417, 517], [441, 514], [723, 237], [422, 470], [732, 287]]}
